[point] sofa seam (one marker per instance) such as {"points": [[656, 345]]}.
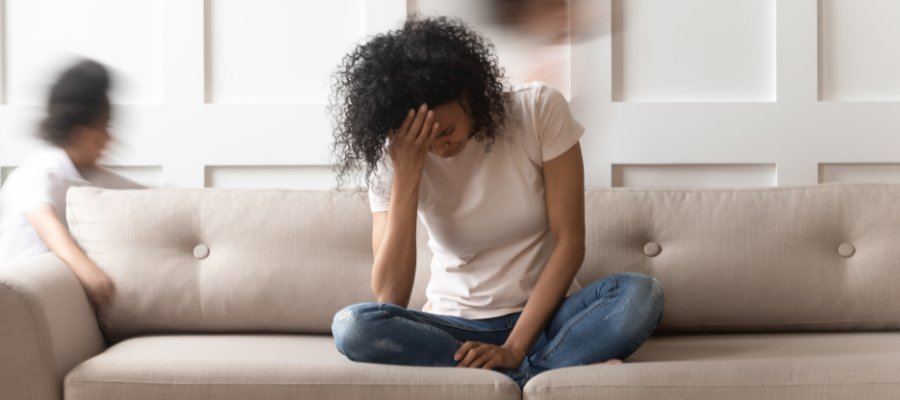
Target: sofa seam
{"points": [[77, 225], [792, 323], [39, 336], [821, 186], [762, 385], [492, 384]]}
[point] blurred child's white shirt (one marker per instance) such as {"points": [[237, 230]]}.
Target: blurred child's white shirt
{"points": [[42, 181]]}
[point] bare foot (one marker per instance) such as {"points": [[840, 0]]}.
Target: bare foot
{"points": [[609, 362]]}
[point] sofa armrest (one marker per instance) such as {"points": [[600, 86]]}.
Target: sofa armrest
{"points": [[47, 327]]}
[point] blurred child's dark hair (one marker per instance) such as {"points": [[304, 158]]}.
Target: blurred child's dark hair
{"points": [[78, 97]]}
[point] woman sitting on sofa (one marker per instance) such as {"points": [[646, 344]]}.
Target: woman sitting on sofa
{"points": [[495, 173], [33, 200]]}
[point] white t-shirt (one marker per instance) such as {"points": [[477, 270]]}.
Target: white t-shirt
{"points": [[486, 213], [42, 180]]}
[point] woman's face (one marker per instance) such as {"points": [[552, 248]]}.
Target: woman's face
{"points": [[456, 127], [88, 142]]}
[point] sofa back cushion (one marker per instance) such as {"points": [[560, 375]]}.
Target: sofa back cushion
{"points": [[755, 259], [287, 261], [269, 260]]}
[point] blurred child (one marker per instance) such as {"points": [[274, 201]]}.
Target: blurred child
{"points": [[33, 200]]}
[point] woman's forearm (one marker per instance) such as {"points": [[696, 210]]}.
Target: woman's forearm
{"points": [[97, 284], [394, 271], [548, 294], [57, 239]]}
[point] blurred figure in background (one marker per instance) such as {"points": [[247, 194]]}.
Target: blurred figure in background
{"points": [[538, 35], [555, 21], [533, 38], [33, 200]]}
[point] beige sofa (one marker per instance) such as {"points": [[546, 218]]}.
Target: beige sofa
{"points": [[781, 293]]}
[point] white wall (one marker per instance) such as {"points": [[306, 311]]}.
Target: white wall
{"points": [[226, 92], [231, 93]]}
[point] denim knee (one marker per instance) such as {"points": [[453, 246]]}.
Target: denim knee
{"points": [[350, 327], [645, 295]]}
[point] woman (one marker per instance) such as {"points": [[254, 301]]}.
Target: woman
{"points": [[495, 173], [33, 200]]}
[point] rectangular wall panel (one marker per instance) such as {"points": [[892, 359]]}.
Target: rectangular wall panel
{"points": [[859, 173], [859, 50], [305, 177], [149, 176], [693, 50], [694, 175], [4, 173], [278, 51], [45, 36]]}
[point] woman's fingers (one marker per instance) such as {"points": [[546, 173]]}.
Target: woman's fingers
{"points": [[426, 127], [494, 363], [404, 127], [470, 357], [482, 359], [428, 131], [417, 123], [464, 350]]}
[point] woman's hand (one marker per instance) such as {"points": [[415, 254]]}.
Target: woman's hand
{"points": [[99, 287], [97, 284], [409, 145], [487, 356]]}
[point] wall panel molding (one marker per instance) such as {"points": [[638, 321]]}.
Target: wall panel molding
{"points": [[294, 49], [175, 126], [44, 36], [859, 173], [694, 175], [859, 53], [694, 50]]}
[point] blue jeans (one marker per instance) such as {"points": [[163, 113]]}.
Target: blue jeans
{"points": [[608, 319]]}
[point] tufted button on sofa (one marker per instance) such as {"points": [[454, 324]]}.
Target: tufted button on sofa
{"points": [[652, 249], [775, 293]]}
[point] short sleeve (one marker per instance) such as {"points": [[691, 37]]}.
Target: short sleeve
{"points": [[380, 190], [557, 130]]}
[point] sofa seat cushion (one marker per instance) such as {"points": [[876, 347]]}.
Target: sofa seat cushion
{"points": [[762, 366], [224, 367]]}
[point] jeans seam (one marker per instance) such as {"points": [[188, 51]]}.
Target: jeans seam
{"points": [[569, 329]]}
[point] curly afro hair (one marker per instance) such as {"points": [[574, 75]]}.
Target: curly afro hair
{"points": [[78, 97], [429, 60]]}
